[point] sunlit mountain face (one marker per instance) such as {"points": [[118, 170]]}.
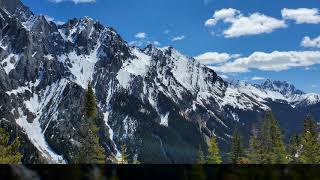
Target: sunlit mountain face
{"points": [[158, 101]]}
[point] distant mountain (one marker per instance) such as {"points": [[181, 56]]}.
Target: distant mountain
{"points": [[282, 87], [162, 104]]}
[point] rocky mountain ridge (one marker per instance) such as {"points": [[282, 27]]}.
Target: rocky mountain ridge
{"points": [[162, 104]]}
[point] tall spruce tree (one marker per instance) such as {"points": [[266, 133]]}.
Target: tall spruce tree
{"points": [[267, 146], [294, 148], [91, 105], [214, 153], [237, 151], [9, 151], [271, 141], [310, 146], [254, 151], [90, 150]]}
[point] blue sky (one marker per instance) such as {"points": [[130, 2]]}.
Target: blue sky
{"points": [[236, 38]]}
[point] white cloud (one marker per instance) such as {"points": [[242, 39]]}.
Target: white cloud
{"points": [[156, 43], [222, 14], [314, 86], [275, 61], [141, 35], [241, 25], [302, 15], [215, 57], [308, 42], [49, 18], [178, 38], [142, 39], [257, 78], [75, 1], [136, 43], [223, 76]]}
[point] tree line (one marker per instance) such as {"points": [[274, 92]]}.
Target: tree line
{"points": [[266, 146]]}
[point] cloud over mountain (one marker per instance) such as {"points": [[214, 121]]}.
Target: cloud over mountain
{"points": [[274, 61], [242, 25]]}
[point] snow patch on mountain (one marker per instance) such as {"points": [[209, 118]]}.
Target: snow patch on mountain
{"points": [[10, 62], [137, 66], [82, 66], [22, 89], [164, 120], [36, 136]]}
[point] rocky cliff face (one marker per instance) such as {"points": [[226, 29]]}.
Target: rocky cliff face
{"points": [[162, 104]]}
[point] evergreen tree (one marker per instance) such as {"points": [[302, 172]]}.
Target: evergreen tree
{"points": [[293, 149], [9, 152], [90, 150], [200, 157], [273, 150], [309, 125], [267, 146], [214, 155], [91, 105], [310, 150], [124, 156], [236, 148], [254, 151]]}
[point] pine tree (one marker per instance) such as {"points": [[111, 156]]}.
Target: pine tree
{"points": [[214, 155], [200, 157], [254, 151], [9, 153], [236, 148], [90, 150], [267, 146], [273, 150], [293, 149], [124, 156], [310, 151], [309, 125], [91, 105]]}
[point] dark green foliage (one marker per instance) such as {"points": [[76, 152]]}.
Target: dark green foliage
{"points": [[9, 153], [237, 151], [309, 125], [91, 105], [271, 142], [214, 152], [90, 150], [254, 152], [293, 149], [310, 146], [267, 147]]}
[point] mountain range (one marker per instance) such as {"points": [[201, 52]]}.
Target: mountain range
{"points": [[159, 102]]}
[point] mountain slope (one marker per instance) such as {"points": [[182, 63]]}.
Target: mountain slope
{"points": [[162, 104]]}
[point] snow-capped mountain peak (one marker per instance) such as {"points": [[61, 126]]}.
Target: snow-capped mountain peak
{"points": [[283, 87]]}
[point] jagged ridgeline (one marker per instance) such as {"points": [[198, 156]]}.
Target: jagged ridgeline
{"points": [[160, 103]]}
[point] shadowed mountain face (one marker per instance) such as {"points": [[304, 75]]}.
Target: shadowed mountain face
{"points": [[162, 104]]}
